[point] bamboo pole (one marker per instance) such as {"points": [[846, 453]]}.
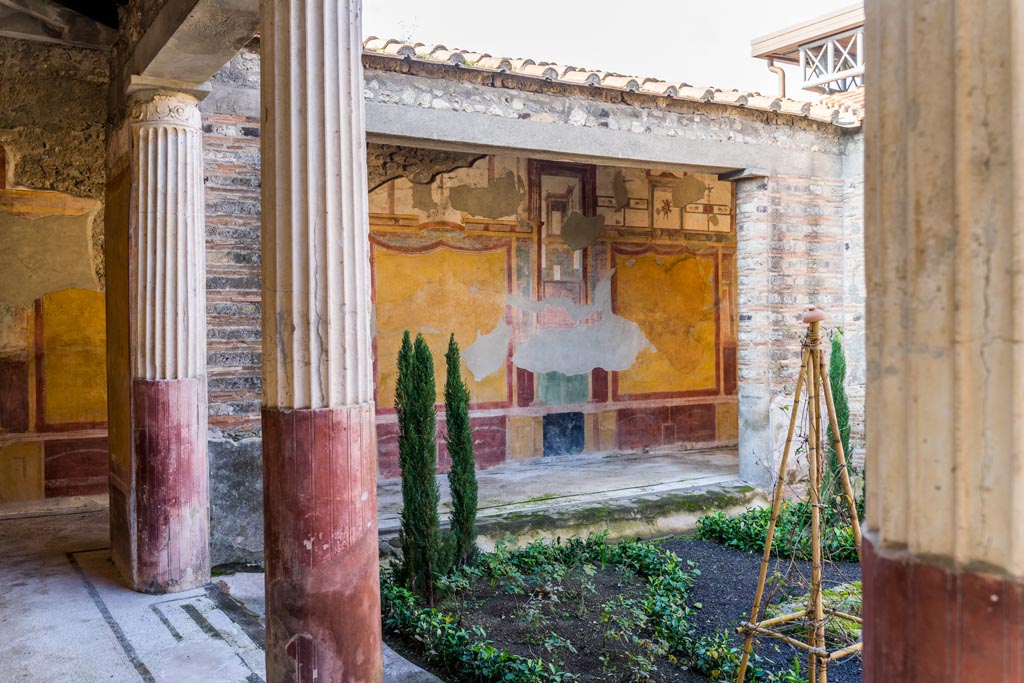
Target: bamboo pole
{"points": [[848, 650], [776, 506], [815, 634], [814, 651], [851, 500], [778, 620], [843, 615]]}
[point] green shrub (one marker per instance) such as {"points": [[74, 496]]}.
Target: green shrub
{"points": [[748, 531], [462, 475], [420, 533]]}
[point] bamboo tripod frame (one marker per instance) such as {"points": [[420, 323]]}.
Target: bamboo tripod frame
{"points": [[814, 375]]}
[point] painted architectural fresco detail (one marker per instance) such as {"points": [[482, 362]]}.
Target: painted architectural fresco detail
{"points": [[53, 402], [595, 305]]}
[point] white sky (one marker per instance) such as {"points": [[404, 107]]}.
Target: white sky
{"points": [[700, 42]]}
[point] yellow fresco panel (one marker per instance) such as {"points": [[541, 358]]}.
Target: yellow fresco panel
{"points": [[437, 293], [526, 437], [21, 472], [727, 417], [74, 343], [672, 299]]}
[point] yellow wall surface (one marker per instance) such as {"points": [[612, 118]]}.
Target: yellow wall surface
{"points": [[74, 333], [21, 472], [436, 293], [672, 299]]}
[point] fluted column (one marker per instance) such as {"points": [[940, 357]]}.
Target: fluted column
{"points": [[319, 451], [160, 500], [944, 165]]}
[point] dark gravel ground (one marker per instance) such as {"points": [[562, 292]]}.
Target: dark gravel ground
{"points": [[726, 586]]}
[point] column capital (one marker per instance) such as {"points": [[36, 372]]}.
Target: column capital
{"points": [[154, 107]]}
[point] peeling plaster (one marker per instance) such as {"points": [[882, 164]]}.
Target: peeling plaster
{"points": [[500, 199], [44, 255], [13, 330], [610, 342], [687, 190], [423, 197], [487, 354], [580, 231], [619, 190]]}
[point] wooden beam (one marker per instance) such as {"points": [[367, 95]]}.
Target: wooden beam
{"points": [[781, 45]]}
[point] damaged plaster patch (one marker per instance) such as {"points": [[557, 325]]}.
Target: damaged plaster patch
{"points": [[581, 231], [423, 197], [44, 255], [619, 190], [687, 191], [602, 340], [500, 199], [487, 354]]}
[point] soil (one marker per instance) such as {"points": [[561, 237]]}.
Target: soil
{"points": [[574, 610], [725, 590], [523, 623]]}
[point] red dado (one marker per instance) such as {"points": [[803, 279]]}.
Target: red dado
{"points": [[926, 623], [320, 526], [171, 484]]}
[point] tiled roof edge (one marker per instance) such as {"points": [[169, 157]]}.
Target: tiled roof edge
{"points": [[845, 112]]}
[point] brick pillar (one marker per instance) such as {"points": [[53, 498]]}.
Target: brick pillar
{"points": [[157, 345], [944, 168], [319, 450]]}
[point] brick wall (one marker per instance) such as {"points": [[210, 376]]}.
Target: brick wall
{"points": [[799, 243], [231, 157]]}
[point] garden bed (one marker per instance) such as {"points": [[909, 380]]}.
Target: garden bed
{"points": [[597, 613]]}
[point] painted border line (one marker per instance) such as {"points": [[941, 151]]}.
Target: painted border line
{"points": [[129, 650]]}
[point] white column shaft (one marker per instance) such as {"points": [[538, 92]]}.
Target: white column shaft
{"points": [[168, 237], [316, 273], [943, 208]]}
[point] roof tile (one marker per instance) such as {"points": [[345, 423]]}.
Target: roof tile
{"points": [[842, 109]]}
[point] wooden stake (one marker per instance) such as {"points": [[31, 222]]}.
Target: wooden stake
{"points": [[851, 500], [815, 636]]}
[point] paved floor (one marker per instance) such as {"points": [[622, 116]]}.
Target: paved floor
{"points": [[65, 616]]}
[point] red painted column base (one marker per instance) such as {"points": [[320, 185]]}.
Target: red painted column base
{"points": [[171, 485], [320, 538], [926, 623]]}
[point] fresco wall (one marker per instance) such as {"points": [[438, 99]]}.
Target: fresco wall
{"points": [[595, 306], [53, 392]]}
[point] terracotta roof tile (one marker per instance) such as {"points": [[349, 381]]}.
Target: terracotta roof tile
{"points": [[842, 109]]}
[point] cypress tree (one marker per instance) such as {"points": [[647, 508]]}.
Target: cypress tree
{"points": [[420, 534], [837, 379], [462, 475]]}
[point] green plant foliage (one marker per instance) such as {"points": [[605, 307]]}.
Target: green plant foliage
{"points": [[662, 614], [420, 533], [462, 476], [749, 530], [832, 486], [466, 652]]}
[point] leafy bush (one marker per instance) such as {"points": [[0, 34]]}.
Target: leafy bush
{"points": [[749, 530]]}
